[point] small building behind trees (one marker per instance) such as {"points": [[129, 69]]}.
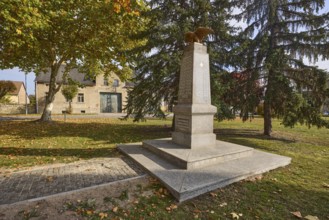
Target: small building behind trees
{"points": [[99, 95], [19, 95]]}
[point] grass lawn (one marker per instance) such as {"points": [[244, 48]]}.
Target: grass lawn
{"points": [[302, 186]]}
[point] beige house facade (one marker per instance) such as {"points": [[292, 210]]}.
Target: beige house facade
{"points": [[19, 96], [101, 95]]}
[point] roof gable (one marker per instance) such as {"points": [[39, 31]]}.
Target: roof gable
{"points": [[74, 74], [18, 85]]}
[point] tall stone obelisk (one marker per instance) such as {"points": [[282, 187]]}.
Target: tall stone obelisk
{"points": [[192, 162], [194, 112]]}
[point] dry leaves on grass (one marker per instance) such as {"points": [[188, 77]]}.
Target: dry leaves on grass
{"points": [[115, 209], [102, 215], [235, 215], [212, 194], [297, 214], [308, 217], [171, 207], [325, 185], [162, 192], [254, 178], [223, 204]]}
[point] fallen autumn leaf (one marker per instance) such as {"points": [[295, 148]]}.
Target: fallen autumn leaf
{"points": [[310, 217], [297, 214]]}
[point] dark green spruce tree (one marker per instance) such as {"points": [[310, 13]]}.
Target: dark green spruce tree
{"points": [[158, 62], [279, 37]]}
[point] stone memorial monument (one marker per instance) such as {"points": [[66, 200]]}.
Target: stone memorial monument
{"points": [[193, 162]]}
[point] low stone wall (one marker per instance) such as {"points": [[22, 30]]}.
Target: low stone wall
{"points": [[16, 109]]}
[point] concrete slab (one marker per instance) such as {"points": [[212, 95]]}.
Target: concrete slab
{"points": [[188, 183], [196, 158]]}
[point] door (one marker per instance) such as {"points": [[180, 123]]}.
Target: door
{"points": [[110, 102]]}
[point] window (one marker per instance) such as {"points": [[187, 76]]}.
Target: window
{"points": [[81, 97], [116, 83], [46, 96], [106, 81]]}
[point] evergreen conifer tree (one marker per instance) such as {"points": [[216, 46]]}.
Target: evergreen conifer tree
{"points": [[279, 37], [158, 63]]}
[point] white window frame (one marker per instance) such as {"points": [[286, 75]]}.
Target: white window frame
{"points": [[81, 97]]}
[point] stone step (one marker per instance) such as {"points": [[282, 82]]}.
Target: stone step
{"points": [[185, 184], [186, 158]]}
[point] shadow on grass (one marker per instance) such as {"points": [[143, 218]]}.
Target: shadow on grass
{"points": [[251, 138], [81, 139], [268, 199], [248, 133], [79, 152], [111, 133]]}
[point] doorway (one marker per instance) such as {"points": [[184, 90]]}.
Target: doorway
{"points": [[110, 102]]}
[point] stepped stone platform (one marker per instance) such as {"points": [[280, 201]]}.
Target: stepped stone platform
{"points": [[186, 174], [189, 159], [193, 162]]}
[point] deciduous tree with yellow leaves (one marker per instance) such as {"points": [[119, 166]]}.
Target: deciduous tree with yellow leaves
{"points": [[92, 36]]}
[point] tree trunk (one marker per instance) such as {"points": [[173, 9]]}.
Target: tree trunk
{"points": [[267, 118], [46, 114], [268, 105], [173, 123], [70, 110], [273, 19]]}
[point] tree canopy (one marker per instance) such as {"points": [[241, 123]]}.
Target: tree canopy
{"points": [[278, 38], [158, 61], [69, 91], [40, 36], [261, 65], [5, 88]]}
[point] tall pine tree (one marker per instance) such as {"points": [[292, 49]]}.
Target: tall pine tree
{"points": [[279, 37], [158, 63]]}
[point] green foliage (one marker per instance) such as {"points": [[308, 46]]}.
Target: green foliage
{"points": [[33, 100], [5, 100], [69, 92], [260, 110], [158, 61], [5, 88], [279, 36], [92, 36]]}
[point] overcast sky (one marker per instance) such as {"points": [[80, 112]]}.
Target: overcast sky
{"points": [[16, 75]]}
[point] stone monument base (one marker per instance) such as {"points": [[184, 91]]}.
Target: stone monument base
{"points": [[188, 173], [186, 158]]}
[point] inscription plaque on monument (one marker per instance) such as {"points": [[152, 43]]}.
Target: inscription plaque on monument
{"points": [[185, 89], [183, 124]]}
